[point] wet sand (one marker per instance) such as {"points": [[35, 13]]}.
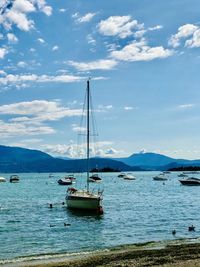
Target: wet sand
{"points": [[141, 255]]}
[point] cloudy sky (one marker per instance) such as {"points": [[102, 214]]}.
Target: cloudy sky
{"points": [[144, 60]]}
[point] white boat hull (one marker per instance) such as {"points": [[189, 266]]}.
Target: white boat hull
{"points": [[83, 201]]}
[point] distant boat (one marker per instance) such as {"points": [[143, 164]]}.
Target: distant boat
{"points": [[71, 177], [95, 178], [51, 175], [160, 177], [2, 179], [129, 176], [65, 181], [85, 199], [190, 181], [14, 178], [122, 175], [182, 175]]}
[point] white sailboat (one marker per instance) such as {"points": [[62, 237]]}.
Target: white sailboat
{"points": [[85, 199]]}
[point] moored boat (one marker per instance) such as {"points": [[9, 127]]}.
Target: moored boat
{"points": [[85, 199], [160, 177], [121, 175], [14, 178], [2, 179], [65, 181], [190, 181], [129, 176], [95, 178]]}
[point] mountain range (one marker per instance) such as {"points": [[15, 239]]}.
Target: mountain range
{"points": [[17, 159]]}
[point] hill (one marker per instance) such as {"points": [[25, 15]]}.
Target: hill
{"points": [[16, 159], [154, 161]]}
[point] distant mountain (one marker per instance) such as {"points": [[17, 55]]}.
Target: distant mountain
{"points": [[154, 161], [147, 159], [16, 159]]}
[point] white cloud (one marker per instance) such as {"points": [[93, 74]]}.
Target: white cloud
{"points": [[103, 149], [82, 19], [140, 51], [78, 129], [91, 40], [154, 28], [121, 26], [37, 111], [40, 40], [30, 118], [62, 10], [12, 38], [22, 64], [128, 108], [20, 129], [184, 31], [104, 108], [195, 40], [2, 72], [186, 106], [32, 50], [16, 13], [55, 48], [102, 64], [3, 52], [12, 79]]}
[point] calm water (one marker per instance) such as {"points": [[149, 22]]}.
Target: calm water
{"points": [[135, 211]]}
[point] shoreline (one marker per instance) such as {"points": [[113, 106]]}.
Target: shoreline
{"points": [[177, 253]]}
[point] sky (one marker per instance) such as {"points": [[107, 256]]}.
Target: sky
{"points": [[143, 58]]}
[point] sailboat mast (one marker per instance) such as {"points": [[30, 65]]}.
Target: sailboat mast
{"points": [[88, 131]]}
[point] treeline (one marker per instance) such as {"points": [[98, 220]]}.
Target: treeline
{"points": [[106, 169], [185, 168]]}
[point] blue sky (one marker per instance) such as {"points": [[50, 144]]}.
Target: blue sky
{"points": [[144, 60]]}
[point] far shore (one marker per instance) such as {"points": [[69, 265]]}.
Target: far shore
{"points": [[177, 253]]}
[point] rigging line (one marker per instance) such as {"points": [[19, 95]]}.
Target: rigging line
{"points": [[94, 127], [81, 125]]}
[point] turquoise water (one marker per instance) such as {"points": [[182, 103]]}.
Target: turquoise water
{"points": [[134, 211]]}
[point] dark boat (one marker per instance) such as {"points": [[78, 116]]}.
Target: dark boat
{"points": [[190, 181], [95, 178], [14, 178], [65, 181]]}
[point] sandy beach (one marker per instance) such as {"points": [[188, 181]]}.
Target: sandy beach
{"points": [[172, 253]]}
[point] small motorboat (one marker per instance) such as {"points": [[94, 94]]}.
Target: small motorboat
{"points": [[2, 179], [190, 181], [129, 176], [182, 175], [14, 178], [70, 176], [95, 178], [65, 181], [121, 175], [160, 177]]}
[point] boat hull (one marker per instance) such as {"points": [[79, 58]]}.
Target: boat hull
{"points": [[190, 183], [85, 203]]}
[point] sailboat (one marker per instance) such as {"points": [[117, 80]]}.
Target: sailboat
{"points": [[80, 198]]}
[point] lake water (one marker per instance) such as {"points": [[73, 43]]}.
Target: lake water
{"points": [[134, 211]]}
